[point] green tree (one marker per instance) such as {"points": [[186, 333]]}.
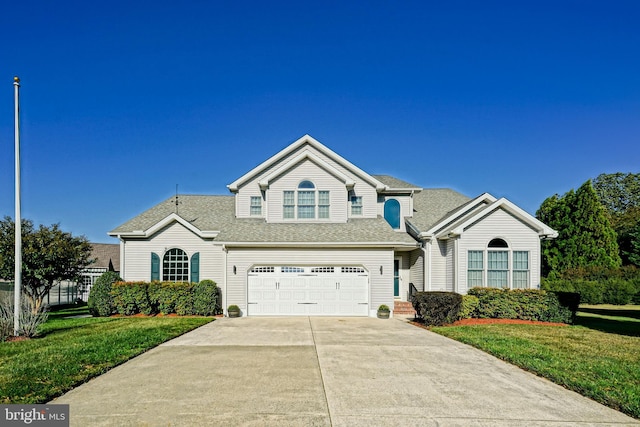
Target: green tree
{"points": [[49, 255], [620, 194], [585, 236]]}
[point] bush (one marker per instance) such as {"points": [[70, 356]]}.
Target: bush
{"points": [[205, 298], [182, 298], [614, 290], [437, 308], [100, 301], [30, 321], [468, 306], [526, 304], [131, 298]]}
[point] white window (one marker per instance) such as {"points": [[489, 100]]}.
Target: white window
{"points": [[306, 202], [521, 269], [288, 204], [256, 206], [475, 269], [175, 266], [504, 268], [356, 205]]}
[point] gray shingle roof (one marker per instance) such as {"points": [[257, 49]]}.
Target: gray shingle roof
{"points": [[107, 255], [433, 204], [393, 182], [207, 213], [370, 230], [217, 213]]}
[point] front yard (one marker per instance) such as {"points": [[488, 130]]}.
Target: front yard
{"points": [[598, 357], [71, 351]]}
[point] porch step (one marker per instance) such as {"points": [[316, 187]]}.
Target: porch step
{"points": [[403, 308]]}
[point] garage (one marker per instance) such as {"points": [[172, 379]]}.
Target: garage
{"points": [[308, 291]]}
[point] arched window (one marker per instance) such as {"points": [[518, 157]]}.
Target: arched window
{"points": [[306, 202], [175, 266], [392, 213], [498, 243]]}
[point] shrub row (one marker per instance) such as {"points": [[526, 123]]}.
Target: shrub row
{"points": [[128, 298], [613, 290], [526, 304], [439, 308]]}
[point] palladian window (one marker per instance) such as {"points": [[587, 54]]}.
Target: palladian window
{"points": [[504, 268], [306, 202]]}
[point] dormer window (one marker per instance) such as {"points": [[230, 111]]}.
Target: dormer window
{"points": [[306, 202]]}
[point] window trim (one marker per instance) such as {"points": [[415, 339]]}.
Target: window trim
{"points": [[258, 206], [186, 267], [356, 203], [292, 206], [511, 266]]}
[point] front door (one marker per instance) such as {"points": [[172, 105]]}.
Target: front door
{"points": [[396, 278]]}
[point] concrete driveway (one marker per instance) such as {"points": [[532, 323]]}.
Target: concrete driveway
{"points": [[325, 372]]}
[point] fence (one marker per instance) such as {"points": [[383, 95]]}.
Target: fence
{"points": [[63, 293]]}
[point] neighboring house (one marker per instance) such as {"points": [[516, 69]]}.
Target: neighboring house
{"points": [[107, 258], [308, 233]]}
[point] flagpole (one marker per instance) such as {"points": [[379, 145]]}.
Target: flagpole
{"points": [[17, 286]]}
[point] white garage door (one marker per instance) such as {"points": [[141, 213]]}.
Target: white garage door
{"points": [[308, 291]]}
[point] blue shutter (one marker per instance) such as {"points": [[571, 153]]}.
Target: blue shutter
{"points": [[155, 267], [392, 213], [195, 267]]}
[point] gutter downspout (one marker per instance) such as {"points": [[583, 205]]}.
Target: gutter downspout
{"points": [[122, 259]]}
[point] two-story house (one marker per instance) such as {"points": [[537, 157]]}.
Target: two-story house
{"points": [[307, 232]]}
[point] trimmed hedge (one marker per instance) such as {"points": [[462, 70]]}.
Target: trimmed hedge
{"points": [[526, 304], [181, 298], [614, 290], [468, 307], [437, 308], [100, 302]]}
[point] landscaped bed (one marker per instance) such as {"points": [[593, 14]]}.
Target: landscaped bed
{"points": [[598, 357], [70, 351]]}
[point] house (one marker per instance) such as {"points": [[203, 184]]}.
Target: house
{"points": [[106, 257], [307, 232]]}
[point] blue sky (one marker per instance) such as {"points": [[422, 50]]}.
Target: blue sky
{"points": [[121, 101]]}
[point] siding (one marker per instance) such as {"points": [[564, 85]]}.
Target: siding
{"points": [[440, 256], [500, 224], [362, 188], [380, 285], [321, 179], [406, 207], [416, 269], [138, 253]]}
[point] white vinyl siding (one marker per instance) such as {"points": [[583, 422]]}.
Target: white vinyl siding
{"points": [[136, 259], [323, 180], [519, 237], [416, 269], [380, 281], [256, 206]]}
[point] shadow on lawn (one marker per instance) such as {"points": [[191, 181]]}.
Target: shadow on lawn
{"points": [[635, 314], [620, 327]]}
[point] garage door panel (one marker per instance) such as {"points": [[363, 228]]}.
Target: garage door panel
{"points": [[308, 291]]}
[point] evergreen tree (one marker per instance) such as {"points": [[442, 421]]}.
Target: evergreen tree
{"points": [[585, 236]]}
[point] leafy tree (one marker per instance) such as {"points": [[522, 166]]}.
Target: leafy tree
{"points": [[620, 194], [49, 255], [585, 236]]}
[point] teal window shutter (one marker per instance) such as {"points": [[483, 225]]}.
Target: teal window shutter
{"points": [[155, 267], [195, 267]]}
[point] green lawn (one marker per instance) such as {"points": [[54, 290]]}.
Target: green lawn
{"points": [[71, 351], [599, 357]]}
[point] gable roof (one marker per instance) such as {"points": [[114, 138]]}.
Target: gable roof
{"points": [[393, 183], [204, 215], [431, 205], [107, 255], [304, 140]]}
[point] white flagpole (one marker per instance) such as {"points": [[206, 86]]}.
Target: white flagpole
{"points": [[17, 286]]}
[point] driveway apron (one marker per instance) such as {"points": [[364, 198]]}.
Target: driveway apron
{"points": [[325, 371]]}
